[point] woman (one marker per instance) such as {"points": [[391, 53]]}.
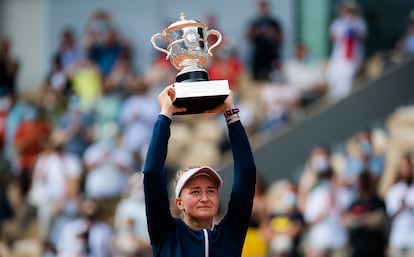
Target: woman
{"points": [[197, 193], [399, 202]]}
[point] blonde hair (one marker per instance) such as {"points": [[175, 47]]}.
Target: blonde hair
{"points": [[177, 177]]}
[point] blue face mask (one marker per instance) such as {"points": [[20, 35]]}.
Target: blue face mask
{"points": [[365, 147]]}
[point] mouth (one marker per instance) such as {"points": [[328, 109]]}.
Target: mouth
{"points": [[204, 207]]}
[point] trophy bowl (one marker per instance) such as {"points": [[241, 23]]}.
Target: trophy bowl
{"points": [[188, 52]]}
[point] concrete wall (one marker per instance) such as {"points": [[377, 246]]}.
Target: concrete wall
{"points": [[25, 22]]}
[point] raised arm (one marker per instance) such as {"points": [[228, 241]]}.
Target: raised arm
{"points": [[155, 181], [244, 181]]}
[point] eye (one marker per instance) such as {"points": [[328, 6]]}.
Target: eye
{"points": [[212, 191], [195, 192]]}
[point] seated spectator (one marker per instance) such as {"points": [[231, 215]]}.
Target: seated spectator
{"points": [[305, 75], [405, 45], [158, 74], [319, 159], [103, 42], [58, 79], [226, 65], [108, 166], [53, 171], [277, 101], [85, 236], [131, 236], [29, 138], [6, 175], [255, 243], [122, 78], [323, 210], [366, 220], [77, 125], [362, 156], [137, 124], [86, 79], [68, 52], [285, 223]]}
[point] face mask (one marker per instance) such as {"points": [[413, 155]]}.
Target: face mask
{"points": [[289, 200], [365, 147], [319, 163], [5, 104]]}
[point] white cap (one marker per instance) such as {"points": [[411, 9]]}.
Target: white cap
{"points": [[191, 173]]}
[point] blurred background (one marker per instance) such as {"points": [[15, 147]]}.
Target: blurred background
{"points": [[325, 78]]}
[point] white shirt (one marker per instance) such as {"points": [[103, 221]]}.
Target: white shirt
{"points": [[134, 209], [304, 75], [106, 179], [402, 226], [51, 171], [137, 118], [329, 233], [339, 29], [70, 245]]}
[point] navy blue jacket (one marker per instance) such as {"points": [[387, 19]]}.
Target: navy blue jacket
{"points": [[171, 237]]}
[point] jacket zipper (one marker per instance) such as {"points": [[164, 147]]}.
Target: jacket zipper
{"points": [[206, 253]]}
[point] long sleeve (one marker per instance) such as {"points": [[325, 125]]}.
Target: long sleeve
{"points": [[244, 181], [155, 181]]}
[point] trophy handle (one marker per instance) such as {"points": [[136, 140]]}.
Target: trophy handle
{"points": [[218, 34], [163, 37]]}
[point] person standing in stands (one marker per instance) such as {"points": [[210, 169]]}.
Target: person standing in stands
{"points": [[196, 193], [9, 68], [399, 202], [265, 35], [347, 33]]}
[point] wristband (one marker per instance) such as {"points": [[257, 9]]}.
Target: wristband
{"points": [[230, 112], [232, 115]]}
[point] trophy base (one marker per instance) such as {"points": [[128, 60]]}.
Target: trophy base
{"points": [[200, 96]]}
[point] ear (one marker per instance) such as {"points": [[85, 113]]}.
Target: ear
{"points": [[179, 203]]}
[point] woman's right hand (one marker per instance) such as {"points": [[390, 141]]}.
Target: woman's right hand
{"points": [[166, 99]]}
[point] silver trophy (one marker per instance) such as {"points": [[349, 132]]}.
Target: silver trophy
{"points": [[188, 52]]}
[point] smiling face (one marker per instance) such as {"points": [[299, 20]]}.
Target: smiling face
{"points": [[199, 201]]}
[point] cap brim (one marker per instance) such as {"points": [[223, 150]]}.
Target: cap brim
{"points": [[195, 172]]}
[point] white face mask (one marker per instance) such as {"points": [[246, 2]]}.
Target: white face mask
{"points": [[319, 163], [5, 104]]}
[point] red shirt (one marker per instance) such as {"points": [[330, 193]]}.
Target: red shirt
{"points": [[28, 140], [228, 69]]}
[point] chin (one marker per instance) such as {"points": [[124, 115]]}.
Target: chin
{"points": [[205, 214]]}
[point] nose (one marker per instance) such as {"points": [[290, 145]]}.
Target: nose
{"points": [[204, 197]]}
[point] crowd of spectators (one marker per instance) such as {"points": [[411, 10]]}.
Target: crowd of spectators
{"points": [[73, 149]]}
